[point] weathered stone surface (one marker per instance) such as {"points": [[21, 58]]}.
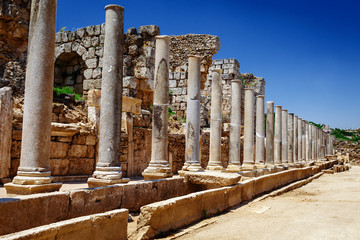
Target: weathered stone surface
{"points": [[108, 225], [58, 149], [149, 31], [212, 179], [64, 130], [6, 113], [78, 151]]}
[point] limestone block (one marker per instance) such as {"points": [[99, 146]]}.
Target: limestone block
{"points": [[59, 167], [92, 84], [212, 179], [108, 225], [149, 31], [40, 209], [142, 72], [6, 114], [93, 98], [132, 105], [129, 82], [64, 130], [91, 63], [58, 149], [97, 72], [90, 140], [79, 151], [80, 32]]}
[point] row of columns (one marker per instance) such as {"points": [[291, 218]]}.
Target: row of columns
{"points": [[292, 139]]}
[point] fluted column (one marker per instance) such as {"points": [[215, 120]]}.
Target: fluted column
{"points": [[249, 163], [296, 146], [260, 132], [269, 133], [192, 146], [300, 157], [108, 168], [235, 127], [284, 137], [278, 135], [216, 121], [291, 137], [159, 163], [34, 175]]}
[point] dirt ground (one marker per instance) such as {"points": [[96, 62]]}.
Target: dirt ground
{"points": [[326, 208]]}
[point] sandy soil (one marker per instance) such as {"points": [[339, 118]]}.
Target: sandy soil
{"points": [[327, 208]]}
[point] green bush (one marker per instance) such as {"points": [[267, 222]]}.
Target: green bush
{"points": [[67, 90]]}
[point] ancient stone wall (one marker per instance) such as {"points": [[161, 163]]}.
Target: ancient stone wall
{"points": [[14, 24]]}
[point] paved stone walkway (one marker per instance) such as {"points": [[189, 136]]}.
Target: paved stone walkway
{"points": [[327, 208]]}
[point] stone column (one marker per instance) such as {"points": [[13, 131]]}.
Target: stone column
{"points": [[296, 147], [308, 144], [313, 142], [260, 131], [284, 137], [291, 137], [269, 133], [108, 168], [159, 163], [278, 135], [328, 145], [300, 157], [216, 121], [249, 163], [303, 140], [235, 127], [192, 146], [310, 141], [34, 173], [331, 142], [6, 118]]}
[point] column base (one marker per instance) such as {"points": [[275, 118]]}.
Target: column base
{"points": [[98, 182], [259, 165], [215, 168], [13, 188], [233, 168], [155, 175], [248, 167], [190, 168]]}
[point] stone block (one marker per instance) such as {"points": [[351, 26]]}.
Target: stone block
{"points": [[25, 212], [81, 166], [90, 140], [129, 82], [59, 167], [91, 63], [78, 151], [79, 139], [92, 84], [80, 32], [58, 149], [172, 83], [212, 178], [149, 31], [64, 129]]}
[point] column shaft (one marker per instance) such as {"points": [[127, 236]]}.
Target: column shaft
{"points": [[296, 146], [235, 127], [269, 132], [248, 162], [303, 140], [291, 137], [260, 131], [159, 164], [300, 157], [216, 121], [192, 146], [284, 137], [278, 135]]}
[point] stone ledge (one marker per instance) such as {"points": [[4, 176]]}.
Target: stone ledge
{"points": [[108, 225], [12, 188], [212, 178]]}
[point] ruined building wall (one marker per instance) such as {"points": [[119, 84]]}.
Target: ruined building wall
{"points": [[14, 24]]}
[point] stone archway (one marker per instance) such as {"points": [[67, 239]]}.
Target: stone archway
{"points": [[69, 69]]}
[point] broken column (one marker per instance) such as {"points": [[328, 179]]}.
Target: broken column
{"points": [[291, 137], [249, 163], [278, 135], [159, 163], [235, 127], [216, 122], [260, 131], [296, 157], [269, 133], [108, 168], [300, 157], [192, 145], [284, 137], [6, 117], [34, 175]]}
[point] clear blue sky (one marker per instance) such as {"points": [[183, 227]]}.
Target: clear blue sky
{"points": [[307, 51]]}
